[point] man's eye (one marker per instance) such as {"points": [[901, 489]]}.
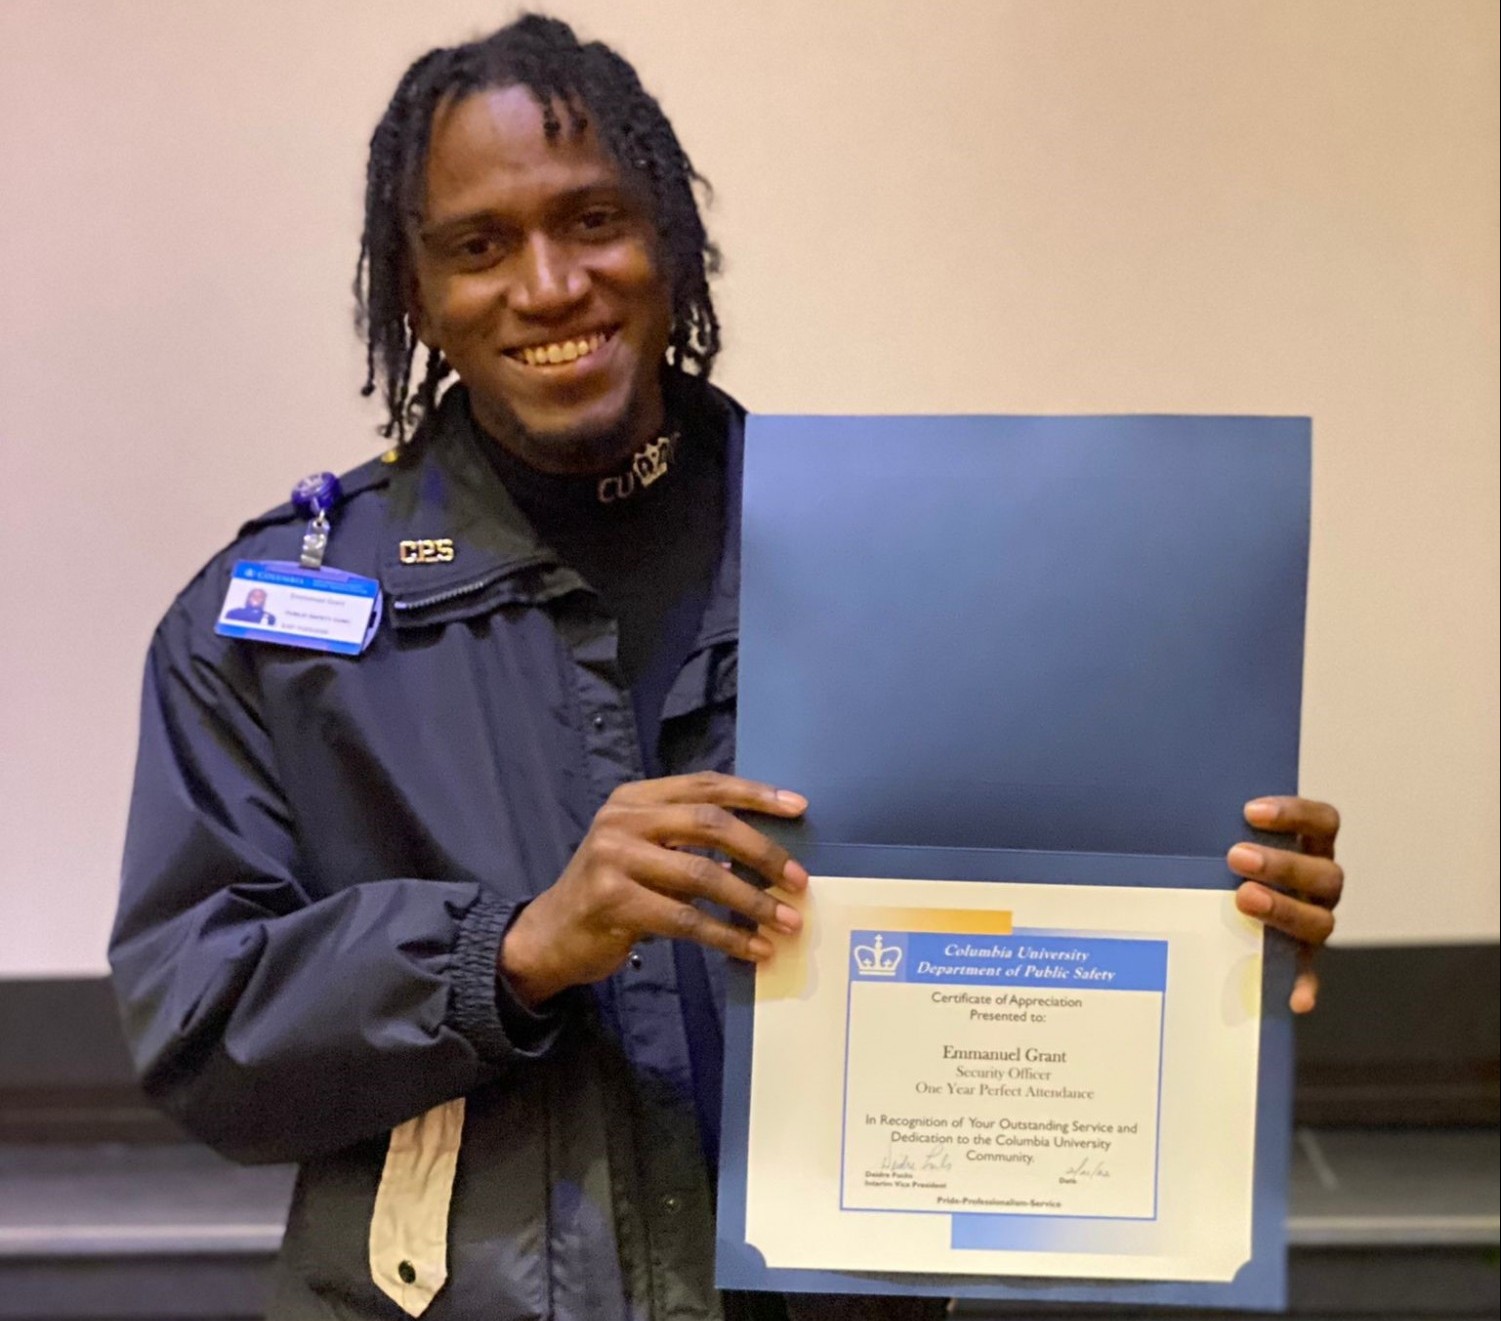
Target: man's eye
{"points": [[476, 251], [599, 218]]}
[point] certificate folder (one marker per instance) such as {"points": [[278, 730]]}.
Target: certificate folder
{"points": [[1032, 649]]}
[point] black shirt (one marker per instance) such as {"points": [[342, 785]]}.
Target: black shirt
{"points": [[649, 547]]}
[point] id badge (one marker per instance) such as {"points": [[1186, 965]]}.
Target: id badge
{"points": [[319, 609]]}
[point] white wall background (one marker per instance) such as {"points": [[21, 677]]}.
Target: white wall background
{"points": [[1283, 206]]}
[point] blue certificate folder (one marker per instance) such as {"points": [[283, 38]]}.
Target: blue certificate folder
{"points": [[1034, 649]]}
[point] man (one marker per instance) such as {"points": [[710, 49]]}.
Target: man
{"points": [[439, 922], [253, 611]]}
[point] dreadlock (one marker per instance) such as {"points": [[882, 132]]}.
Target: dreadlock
{"points": [[590, 83]]}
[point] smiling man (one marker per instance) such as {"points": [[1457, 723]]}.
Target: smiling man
{"points": [[565, 361], [440, 922]]}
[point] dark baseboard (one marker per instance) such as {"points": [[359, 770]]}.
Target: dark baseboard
{"points": [[65, 1073], [82, 1115], [1404, 1035]]}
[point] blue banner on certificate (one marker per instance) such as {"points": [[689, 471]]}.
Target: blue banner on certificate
{"points": [[1027, 671]]}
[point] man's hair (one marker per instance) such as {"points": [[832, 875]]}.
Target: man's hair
{"points": [[593, 86]]}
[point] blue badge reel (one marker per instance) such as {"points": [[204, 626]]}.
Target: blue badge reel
{"points": [[303, 604]]}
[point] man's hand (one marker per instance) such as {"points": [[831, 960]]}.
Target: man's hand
{"points": [[631, 878], [1294, 892]]}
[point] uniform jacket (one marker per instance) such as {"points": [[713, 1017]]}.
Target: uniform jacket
{"points": [[323, 854]]}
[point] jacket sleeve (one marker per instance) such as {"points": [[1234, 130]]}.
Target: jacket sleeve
{"points": [[272, 1025]]}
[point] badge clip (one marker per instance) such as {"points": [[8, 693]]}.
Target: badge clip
{"points": [[315, 495]]}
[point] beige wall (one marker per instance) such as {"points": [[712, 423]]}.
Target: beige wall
{"points": [[958, 205]]}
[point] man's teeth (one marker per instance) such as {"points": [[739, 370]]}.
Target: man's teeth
{"points": [[563, 350]]}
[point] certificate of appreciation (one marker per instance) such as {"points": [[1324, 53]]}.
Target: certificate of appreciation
{"points": [[983, 1082], [1027, 671], [1026, 1081]]}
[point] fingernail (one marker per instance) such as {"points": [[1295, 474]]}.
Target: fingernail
{"points": [[787, 919], [759, 947], [1246, 860], [1254, 901], [795, 873], [1259, 812], [1302, 1000], [788, 799]]}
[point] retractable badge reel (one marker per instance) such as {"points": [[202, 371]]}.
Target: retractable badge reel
{"points": [[313, 497], [304, 604]]}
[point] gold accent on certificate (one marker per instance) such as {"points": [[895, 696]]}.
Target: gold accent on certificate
{"points": [[1007, 1079]]}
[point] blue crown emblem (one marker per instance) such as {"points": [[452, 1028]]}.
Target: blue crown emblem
{"points": [[877, 959]]}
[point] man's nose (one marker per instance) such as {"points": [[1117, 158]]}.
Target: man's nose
{"points": [[548, 281]]}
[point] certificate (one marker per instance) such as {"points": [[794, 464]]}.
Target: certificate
{"points": [[984, 1073], [981, 1075], [1027, 671]]}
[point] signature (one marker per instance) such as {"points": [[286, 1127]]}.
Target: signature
{"points": [[1087, 1169], [936, 1161], [904, 1162]]}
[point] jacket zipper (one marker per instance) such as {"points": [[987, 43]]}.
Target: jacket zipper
{"points": [[452, 594]]}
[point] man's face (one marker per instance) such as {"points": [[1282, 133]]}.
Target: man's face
{"points": [[256, 598], [538, 277]]}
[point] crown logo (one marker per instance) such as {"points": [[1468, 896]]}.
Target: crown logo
{"points": [[653, 460], [647, 466], [877, 959]]}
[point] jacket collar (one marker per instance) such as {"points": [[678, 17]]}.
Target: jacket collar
{"points": [[459, 546]]}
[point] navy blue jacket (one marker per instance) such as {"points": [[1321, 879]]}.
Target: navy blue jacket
{"points": [[323, 854]]}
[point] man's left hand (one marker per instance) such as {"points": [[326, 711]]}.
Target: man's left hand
{"points": [[1295, 892]]}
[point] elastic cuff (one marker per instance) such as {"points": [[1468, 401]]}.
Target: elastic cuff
{"points": [[482, 1008]]}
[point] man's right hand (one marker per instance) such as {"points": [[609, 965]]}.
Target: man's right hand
{"points": [[631, 878]]}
